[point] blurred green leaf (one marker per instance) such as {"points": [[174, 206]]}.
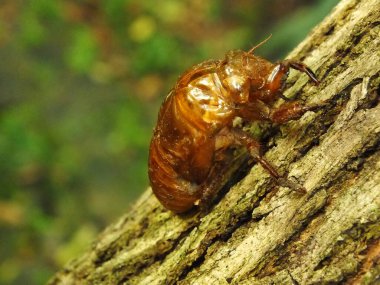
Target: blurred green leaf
{"points": [[83, 50], [32, 30]]}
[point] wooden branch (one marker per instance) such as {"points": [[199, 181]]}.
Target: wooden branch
{"points": [[259, 233]]}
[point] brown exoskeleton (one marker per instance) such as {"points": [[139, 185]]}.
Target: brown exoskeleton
{"points": [[195, 124]]}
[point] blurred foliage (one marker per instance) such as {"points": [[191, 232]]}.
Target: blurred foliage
{"points": [[80, 87]]}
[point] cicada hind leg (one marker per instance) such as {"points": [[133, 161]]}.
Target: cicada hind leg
{"points": [[253, 146]]}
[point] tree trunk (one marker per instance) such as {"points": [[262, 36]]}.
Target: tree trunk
{"points": [[259, 233]]}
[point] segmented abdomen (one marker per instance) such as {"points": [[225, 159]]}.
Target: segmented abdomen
{"points": [[182, 147]]}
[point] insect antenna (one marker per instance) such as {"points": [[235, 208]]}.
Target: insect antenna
{"points": [[259, 44]]}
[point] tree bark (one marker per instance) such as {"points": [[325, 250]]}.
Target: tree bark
{"points": [[259, 233]]}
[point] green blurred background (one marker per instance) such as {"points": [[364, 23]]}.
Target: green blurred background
{"points": [[80, 87]]}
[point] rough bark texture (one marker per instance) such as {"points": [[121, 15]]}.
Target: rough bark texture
{"points": [[259, 233]]}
